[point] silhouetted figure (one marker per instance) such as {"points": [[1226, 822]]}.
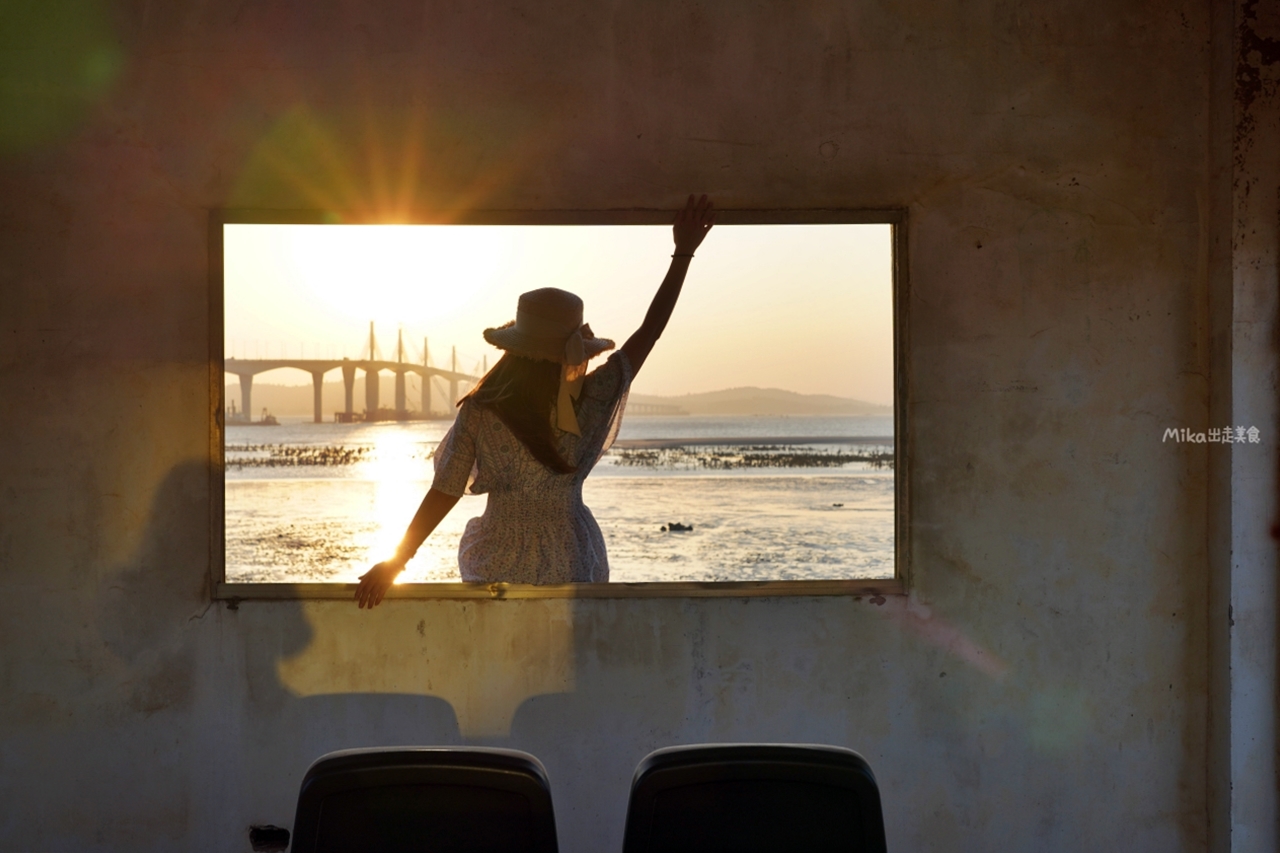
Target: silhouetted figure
{"points": [[530, 432]]}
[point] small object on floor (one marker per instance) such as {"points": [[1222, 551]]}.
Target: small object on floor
{"points": [[837, 504], [677, 527], [268, 838]]}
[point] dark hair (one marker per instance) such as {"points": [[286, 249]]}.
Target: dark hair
{"points": [[522, 393]]}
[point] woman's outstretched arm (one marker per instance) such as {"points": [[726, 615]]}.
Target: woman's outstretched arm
{"points": [[375, 582], [692, 224]]}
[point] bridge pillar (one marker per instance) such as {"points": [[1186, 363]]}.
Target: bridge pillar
{"points": [[426, 381], [401, 409], [453, 383], [317, 394], [349, 386], [370, 392], [246, 394]]}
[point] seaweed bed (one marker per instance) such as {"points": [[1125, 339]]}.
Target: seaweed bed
{"points": [[288, 456], [750, 456], [719, 458]]}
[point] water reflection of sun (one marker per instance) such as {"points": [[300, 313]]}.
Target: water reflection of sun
{"points": [[395, 468]]}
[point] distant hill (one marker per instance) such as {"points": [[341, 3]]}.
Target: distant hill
{"points": [[292, 401], [764, 401]]}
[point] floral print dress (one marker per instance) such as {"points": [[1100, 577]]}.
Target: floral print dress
{"points": [[535, 528]]}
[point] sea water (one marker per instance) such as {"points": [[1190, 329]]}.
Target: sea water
{"points": [[310, 502]]}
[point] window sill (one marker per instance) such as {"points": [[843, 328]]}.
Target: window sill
{"points": [[236, 592]]}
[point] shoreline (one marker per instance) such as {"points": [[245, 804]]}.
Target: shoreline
{"points": [[748, 441]]}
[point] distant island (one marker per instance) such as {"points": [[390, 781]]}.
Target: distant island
{"points": [[762, 401], [296, 401]]}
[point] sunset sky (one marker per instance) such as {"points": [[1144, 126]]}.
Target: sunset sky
{"points": [[805, 308]]}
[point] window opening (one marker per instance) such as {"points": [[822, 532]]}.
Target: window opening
{"points": [[758, 443]]}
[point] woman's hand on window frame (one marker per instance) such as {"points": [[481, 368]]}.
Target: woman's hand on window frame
{"points": [[692, 224], [374, 583]]}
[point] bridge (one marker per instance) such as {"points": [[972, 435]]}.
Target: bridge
{"points": [[247, 368]]}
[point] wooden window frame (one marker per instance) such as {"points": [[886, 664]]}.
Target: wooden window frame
{"points": [[233, 593]]}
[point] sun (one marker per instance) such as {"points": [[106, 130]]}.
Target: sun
{"points": [[386, 273]]}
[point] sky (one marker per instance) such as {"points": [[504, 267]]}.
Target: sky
{"points": [[806, 308]]}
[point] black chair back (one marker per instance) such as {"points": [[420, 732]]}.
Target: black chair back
{"points": [[754, 798], [450, 800]]}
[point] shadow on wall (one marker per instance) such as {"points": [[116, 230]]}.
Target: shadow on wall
{"points": [[243, 700], [207, 687], [148, 605], [591, 686], [252, 696]]}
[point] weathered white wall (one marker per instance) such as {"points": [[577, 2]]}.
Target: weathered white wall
{"points": [[1046, 688], [1244, 813]]}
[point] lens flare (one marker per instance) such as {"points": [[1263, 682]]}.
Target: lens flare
{"points": [[68, 60], [920, 619], [387, 170]]}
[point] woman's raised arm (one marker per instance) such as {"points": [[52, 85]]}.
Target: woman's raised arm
{"points": [[692, 224]]}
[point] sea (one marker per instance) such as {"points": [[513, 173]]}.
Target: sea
{"points": [[763, 498]]}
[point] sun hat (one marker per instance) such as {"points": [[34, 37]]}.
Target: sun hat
{"points": [[548, 327]]}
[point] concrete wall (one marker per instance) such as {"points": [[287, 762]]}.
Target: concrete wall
{"points": [[1243, 590], [1066, 166]]}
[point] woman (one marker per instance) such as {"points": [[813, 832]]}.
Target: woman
{"points": [[531, 431]]}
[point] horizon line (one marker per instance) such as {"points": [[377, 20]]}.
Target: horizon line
{"points": [[232, 381]]}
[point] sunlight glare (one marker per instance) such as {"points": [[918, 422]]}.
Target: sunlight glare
{"points": [[396, 472], [389, 272]]}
